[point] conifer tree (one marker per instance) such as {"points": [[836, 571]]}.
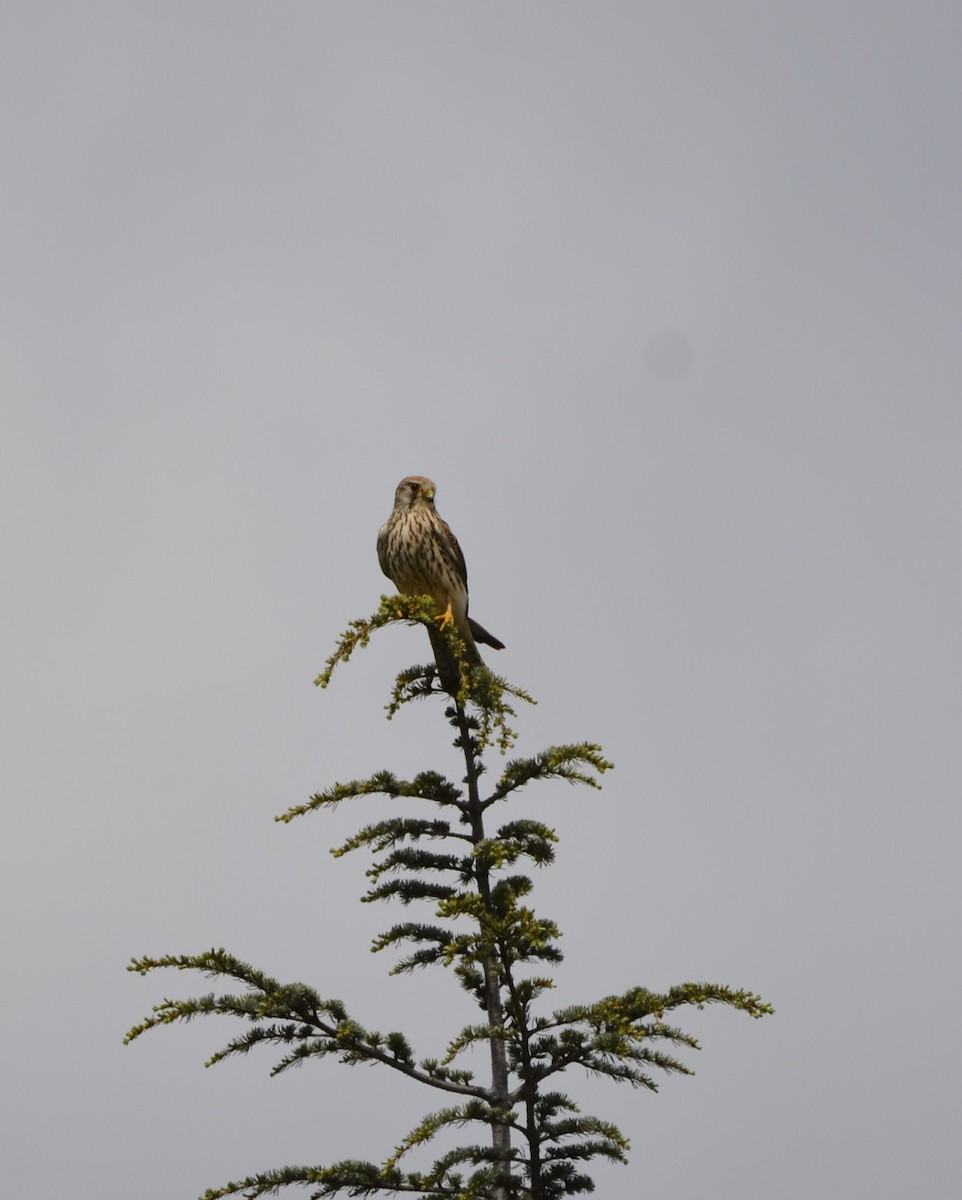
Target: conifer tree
{"points": [[530, 1139]]}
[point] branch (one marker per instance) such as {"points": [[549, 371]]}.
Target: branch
{"points": [[571, 762], [393, 610], [318, 1027], [614, 1037], [355, 1177], [428, 785]]}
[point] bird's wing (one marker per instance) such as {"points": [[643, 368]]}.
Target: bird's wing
{"points": [[450, 548], [382, 550]]}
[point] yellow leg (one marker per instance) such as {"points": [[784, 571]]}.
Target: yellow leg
{"points": [[446, 618]]}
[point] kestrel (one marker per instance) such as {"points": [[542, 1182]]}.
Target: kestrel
{"points": [[421, 556]]}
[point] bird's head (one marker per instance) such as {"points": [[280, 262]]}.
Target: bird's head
{"points": [[414, 490]]}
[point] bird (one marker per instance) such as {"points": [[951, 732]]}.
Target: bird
{"points": [[421, 556]]}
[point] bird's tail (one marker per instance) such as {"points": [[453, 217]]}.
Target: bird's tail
{"points": [[481, 635]]}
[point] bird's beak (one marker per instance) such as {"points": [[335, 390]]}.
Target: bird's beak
{"points": [[429, 492]]}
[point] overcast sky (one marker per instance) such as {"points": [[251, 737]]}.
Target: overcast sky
{"points": [[667, 299]]}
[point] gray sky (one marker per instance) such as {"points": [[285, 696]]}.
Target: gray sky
{"points": [[667, 299]]}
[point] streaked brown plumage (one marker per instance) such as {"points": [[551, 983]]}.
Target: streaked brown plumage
{"points": [[421, 556]]}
